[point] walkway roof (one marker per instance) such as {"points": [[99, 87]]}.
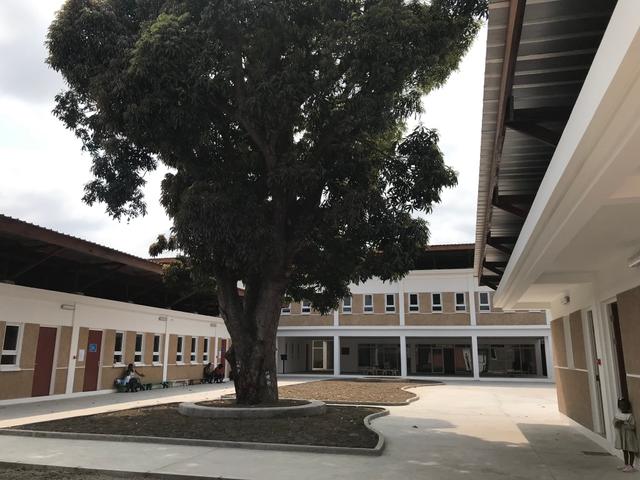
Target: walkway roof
{"points": [[538, 55], [38, 257]]}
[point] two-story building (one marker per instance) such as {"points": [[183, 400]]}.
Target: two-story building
{"points": [[435, 322]]}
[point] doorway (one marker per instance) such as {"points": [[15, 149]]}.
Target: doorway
{"points": [[621, 377], [319, 355], [595, 372], [92, 362], [43, 370]]}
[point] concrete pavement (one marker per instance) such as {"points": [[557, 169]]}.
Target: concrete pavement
{"points": [[457, 431]]}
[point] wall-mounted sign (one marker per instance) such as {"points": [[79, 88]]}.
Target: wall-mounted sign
{"points": [[81, 355], [93, 347]]}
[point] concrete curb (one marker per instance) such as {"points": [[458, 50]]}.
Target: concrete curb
{"points": [[313, 407], [114, 473], [375, 451]]}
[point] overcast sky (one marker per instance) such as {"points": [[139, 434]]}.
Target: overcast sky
{"points": [[43, 171]]}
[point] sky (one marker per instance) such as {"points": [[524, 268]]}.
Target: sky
{"points": [[43, 169]]}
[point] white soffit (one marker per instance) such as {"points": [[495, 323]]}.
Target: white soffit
{"points": [[593, 166]]}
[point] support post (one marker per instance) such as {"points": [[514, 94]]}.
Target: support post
{"points": [[73, 351], [403, 355], [336, 355], [165, 353], [548, 353], [401, 301], [475, 357]]}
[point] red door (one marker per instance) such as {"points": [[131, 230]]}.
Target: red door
{"points": [[44, 362], [92, 361]]}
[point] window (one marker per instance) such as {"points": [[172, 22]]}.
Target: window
{"points": [[180, 350], [390, 303], [461, 302], [485, 306], [436, 302], [286, 309], [368, 304], [117, 349], [156, 349], [10, 345], [205, 350], [138, 355], [414, 302], [306, 306], [194, 349], [346, 305]]}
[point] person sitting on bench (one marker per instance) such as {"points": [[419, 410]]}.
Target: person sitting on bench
{"points": [[218, 374], [207, 373]]}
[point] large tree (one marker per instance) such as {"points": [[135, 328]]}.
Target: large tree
{"points": [[283, 124]]}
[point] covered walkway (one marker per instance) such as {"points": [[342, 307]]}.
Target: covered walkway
{"points": [[456, 431]]}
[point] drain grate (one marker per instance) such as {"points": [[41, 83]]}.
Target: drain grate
{"points": [[596, 454]]}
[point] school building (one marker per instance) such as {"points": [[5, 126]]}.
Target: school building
{"points": [[73, 314], [436, 322], [559, 194]]}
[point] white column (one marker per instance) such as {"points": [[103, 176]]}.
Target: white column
{"points": [[403, 355], [165, 353], [539, 357], [475, 358], [215, 347], [336, 355], [548, 353], [336, 316], [73, 351], [472, 301], [401, 300]]}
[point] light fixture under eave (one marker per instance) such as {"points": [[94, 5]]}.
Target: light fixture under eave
{"points": [[67, 306]]}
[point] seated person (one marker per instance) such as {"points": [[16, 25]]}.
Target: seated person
{"points": [[131, 379], [218, 374], [207, 373]]}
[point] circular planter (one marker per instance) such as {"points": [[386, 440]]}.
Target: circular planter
{"points": [[313, 407]]}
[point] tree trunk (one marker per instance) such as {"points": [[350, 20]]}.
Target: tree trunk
{"points": [[252, 322]]}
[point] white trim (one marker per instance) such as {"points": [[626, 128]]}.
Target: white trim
{"points": [[417, 304], [179, 351], [17, 352], [387, 305], [364, 303], [138, 352], [482, 305], [193, 350], [54, 366], [206, 350], [347, 312], [440, 304], [155, 352], [633, 375], [302, 307], [123, 348], [286, 310]]}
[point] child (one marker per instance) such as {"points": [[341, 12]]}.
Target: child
{"points": [[626, 440]]}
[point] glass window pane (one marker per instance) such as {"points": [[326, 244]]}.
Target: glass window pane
{"points": [[118, 346], [11, 337], [8, 360], [138, 342], [156, 343]]}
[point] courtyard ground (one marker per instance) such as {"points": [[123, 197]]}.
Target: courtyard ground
{"points": [[458, 431]]}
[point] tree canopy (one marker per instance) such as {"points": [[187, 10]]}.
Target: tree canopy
{"points": [[283, 123]]}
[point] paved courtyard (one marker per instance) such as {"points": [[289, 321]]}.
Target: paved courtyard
{"points": [[457, 431]]}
